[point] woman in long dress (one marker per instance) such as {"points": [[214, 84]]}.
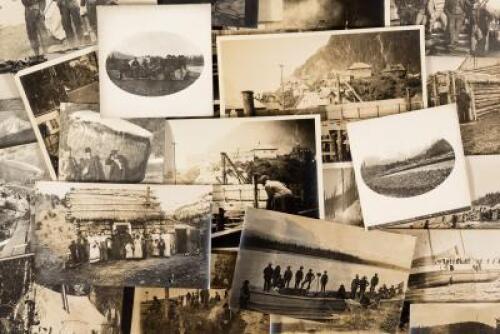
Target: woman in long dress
{"points": [[137, 247], [156, 248], [129, 250], [95, 254], [166, 239]]}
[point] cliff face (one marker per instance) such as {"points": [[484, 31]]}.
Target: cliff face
{"points": [[376, 49]]}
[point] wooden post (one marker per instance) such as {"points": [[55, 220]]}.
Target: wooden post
{"points": [[248, 103], [223, 167], [255, 192], [453, 87], [435, 95], [408, 99], [472, 109], [340, 148]]}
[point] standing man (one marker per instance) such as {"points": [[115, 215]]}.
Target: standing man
{"points": [[287, 276], [91, 167], [118, 166], [363, 284], [91, 6], [373, 283], [324, 281], [276, 275], [33, 14], [455, 10], [437, 14], [354, 286], [309, 279], [268, 275], [71, 21], [299, 275]]}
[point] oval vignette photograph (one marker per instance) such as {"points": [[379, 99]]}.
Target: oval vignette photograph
{"points": [[154, 64], [410, 174]]}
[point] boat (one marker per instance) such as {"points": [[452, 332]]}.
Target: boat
{"points": [[443, 277]]}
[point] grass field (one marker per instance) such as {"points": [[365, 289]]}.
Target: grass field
{"points": [[482, 136]]}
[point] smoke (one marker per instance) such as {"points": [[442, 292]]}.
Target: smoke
{"points": [[302, 14]]}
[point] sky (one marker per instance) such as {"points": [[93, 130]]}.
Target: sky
{"points": [[157, 44], [480, 170], [439, 314], [369, 245], [253, 63]]}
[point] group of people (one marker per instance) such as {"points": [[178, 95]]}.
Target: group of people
{"points": [[170, 67], [275, 279], [452, 17], [90, 168], [100, 248], [78, 18]]}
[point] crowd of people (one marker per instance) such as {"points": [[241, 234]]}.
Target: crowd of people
{"points": [[120, 245], [77, 18], [90, 168]]}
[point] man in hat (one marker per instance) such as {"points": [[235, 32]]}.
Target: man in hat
{"points": [[324, 281], [268, 275], [118, 166], [279, 197], [91, 167], [299, 275]]}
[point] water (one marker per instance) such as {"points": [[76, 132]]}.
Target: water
{"points": [[252, 263], [440, 165], [468, 292]]}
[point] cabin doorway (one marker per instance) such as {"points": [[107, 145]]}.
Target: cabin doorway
{"points": [[121, 236]]}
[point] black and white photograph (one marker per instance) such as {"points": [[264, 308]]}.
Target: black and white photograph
{"points": [[227, 13], [474, 85], [454, 266], [165, 311], [95, 149], [272, 163], [342, 276], [222, 263], [411, 167], [73, 78], [452, 27], [485, 197], [343, 76], [456, 318], [15, 127], [161, 65], [341, 194], [122, 235], [296, 15], [20, 167]]}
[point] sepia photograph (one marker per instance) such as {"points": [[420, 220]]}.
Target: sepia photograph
{"points": [[341, 194], [272, 163], [456, 318], [122, 235], [474, 85], [301, 15], [222, 263], [160, 66], [227, 13], [95, 149], [20, 167], [345, 277], [454, 266], [412, 167], [15, 127], [165, 311], [43, 88], [485, 197], [343, 76], [452, 27]]}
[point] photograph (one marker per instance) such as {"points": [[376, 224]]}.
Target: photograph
{"points": [[411, 167], [474, 85], [161, 64], [296, 15], [122, 235], [73, 79], [345, 277], [271, 162], [227, 13], [20, 167], [165, 311], [454, 266], [341, 194], [95, 149], [222, 263], [343, 76], [485, 196], [455, 318], [452, 27], [15, 127]]}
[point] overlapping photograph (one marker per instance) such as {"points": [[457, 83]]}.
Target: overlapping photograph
{"points": [[271, 163], [409, 166], [122, 235], [473, 84], [95, 149], [343, 76], [192, 311], [161, 66], [452, 27], [341, 276], [73, 79]]}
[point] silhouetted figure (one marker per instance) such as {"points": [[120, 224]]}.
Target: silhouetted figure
{"points": [[245, 294], [287, 276], [341, 293], [373, 283], [299, 275], [309, 279], [276, 276], [363, 284], [324, 281], [354, 286], [268, 275]]}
